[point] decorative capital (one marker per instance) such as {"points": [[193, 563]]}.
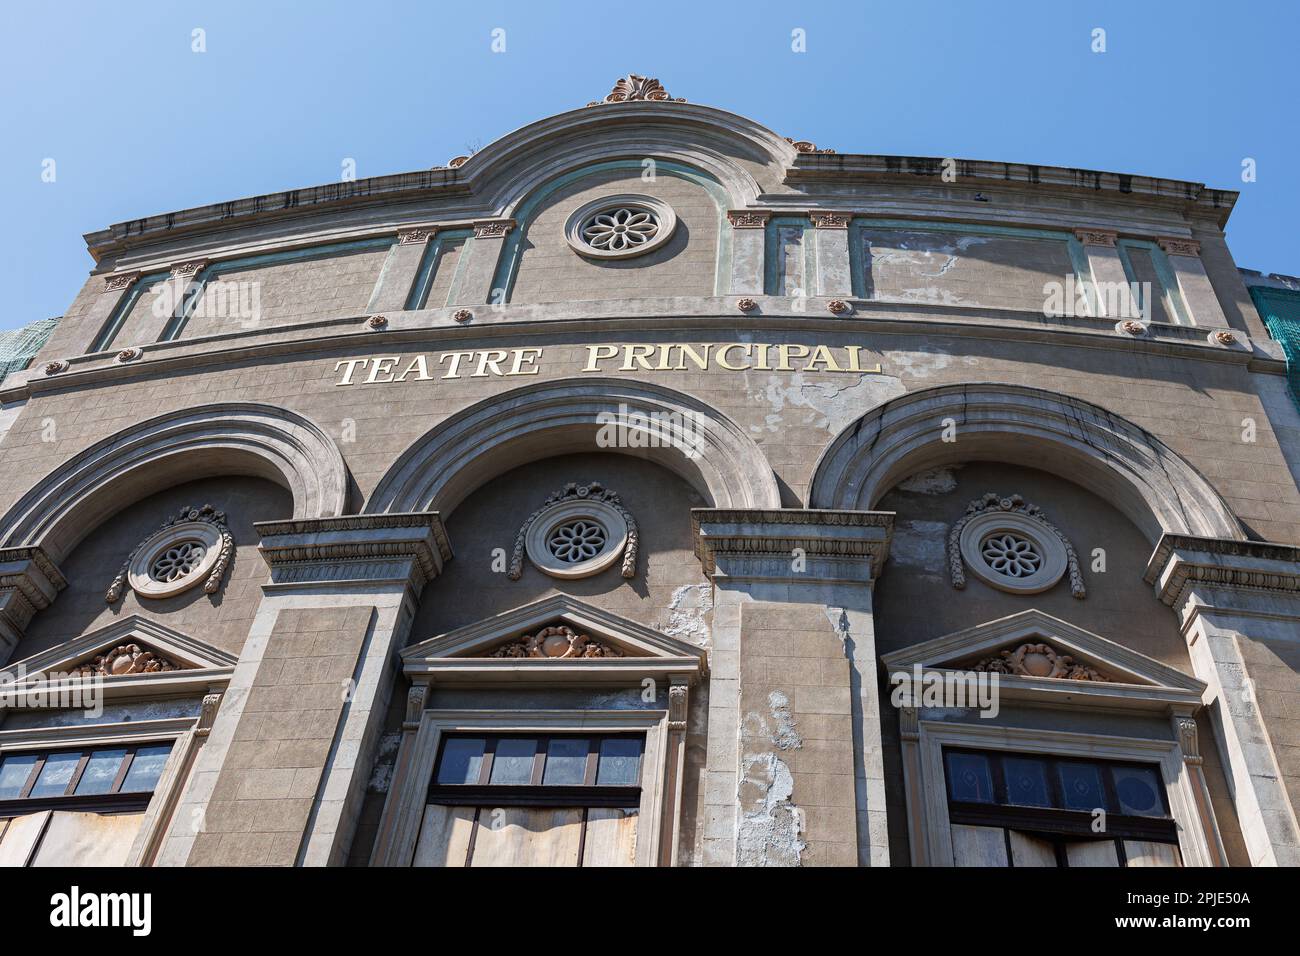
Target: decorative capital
{"points": [[119, 281], [748, 218], [678, 699], [492, 228], [637, 88], [829, 219], [207, 714], [362, 550], [187, 270], [29, 582], [416, 698], [1188, 738], [792, 545], [1180, 247], [1181, 561], [418, 236], [1097, 237]]}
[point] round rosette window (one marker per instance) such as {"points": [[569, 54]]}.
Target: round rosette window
{"points": [[576, 539], [620, 227], [1013, 552], [175, 559]]}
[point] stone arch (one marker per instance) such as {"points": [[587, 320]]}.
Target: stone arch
{"points": [[1079, 441], [235, 438], [554, 418]]}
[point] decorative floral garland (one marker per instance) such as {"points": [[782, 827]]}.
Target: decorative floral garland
{"points": [[576, 492], [1015, 504], [206, 514], [554, 637]]}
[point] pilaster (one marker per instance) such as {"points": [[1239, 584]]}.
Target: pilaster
{"points": [[794, 773], [1193, 282], [831, 252], [1239, 607], [281, 779], [479, 266], [400, 269], [1108, 294]]}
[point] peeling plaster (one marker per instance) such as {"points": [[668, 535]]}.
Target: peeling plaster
{"points": [[770, 833], [688, 609], [381, 777], [832, 407], [936, 481], [771, 826], [920, 544], [924, 362]]}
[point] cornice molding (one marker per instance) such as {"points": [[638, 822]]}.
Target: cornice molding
{"points": [[792, 544], [1181, 561], [411, 547]]}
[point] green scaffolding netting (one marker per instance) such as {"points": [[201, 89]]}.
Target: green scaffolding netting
{"points": [[1280, 309], [19, 346]]}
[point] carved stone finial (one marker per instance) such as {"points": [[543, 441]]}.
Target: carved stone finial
{"points": [[129, 355], [746, 305], [804, 146], [377, 321], [635, 87], [1224, 337], [462, 315], [556, 642], [837, 306], [1132, 327], [54, 368]]}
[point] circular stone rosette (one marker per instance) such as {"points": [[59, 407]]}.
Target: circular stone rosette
{"points": [[175, 559], [620, 227], [1012, 552], [576, 538]]}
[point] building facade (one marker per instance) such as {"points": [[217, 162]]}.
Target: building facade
{"points": [[649, 488]]}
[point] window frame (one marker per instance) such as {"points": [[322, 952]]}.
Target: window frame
{"points": [[116, 800], [536, 793], [928, 796], [410, 790]]}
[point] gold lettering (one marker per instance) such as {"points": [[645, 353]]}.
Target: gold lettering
{"points": [[638, 353], [823, 355], [453, 370], [522, 358], [351, 364], [419, 365], [762, 365], [701, 361], [486, 360], [722, 356], [784, 351], [382, 366], [594, 356]]}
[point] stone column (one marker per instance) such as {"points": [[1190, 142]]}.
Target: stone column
{"points": [[480, 257], [794, 773], [281, 779], [1239, 607], [400, 270], [1108, 293], [29, 582], [748, 249], [1193, 284], [831, 253], [76, 336]]}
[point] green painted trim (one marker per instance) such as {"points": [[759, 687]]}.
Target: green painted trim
{"points": [[177, 324], [772, 259], [1280, 310], [857, 272], [508, 265], [1173, 299], [425, 275], [466, 251]]}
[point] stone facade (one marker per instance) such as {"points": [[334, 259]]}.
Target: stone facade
{"points": [[794, 393]]}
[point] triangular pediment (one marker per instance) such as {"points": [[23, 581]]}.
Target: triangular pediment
{"points": [[489, 637], [1035, 646], [132, 648]]}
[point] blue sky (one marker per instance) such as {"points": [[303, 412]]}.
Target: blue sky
{"points": [[137, 123]]}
